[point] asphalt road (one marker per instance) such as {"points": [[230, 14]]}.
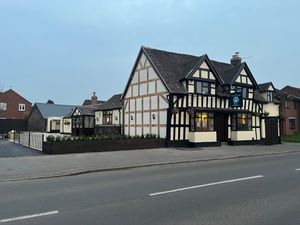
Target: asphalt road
{"points": [[9, 149], [264, 190]]}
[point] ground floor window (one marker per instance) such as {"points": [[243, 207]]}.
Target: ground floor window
{"points": [[241, 121], [202, 121], [107, 117], [292, 123]]}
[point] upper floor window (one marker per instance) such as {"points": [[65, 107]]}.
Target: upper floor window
{"points": [[242, 90], [21, 107], [295, 105], [270, 96], [205, 88], [3, 106], [287, 104]]}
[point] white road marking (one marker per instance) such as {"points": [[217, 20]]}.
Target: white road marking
{"points": [[297, 169], [206, 185], [29, 216]]}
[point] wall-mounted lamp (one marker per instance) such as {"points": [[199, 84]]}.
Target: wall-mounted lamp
{"points": [[153, 116], [131, 117], [116, 118]]}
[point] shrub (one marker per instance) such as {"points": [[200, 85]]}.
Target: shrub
{"points": [[58, 139], [50, 138]]}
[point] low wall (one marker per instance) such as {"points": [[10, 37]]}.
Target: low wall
{"points": [[101, 146]]}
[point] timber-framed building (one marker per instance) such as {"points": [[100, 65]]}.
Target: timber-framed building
{"points": [[195, 101]]}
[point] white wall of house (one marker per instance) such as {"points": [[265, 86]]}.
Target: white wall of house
{"points": [[116, 117], [272, 109], [145, 103], [66, 126], [52, 121]]}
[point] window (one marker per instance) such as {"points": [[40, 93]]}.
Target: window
{"points": [[295, 105], [203, 88], [3, 106], [55, 125], [203, 121], [242, 90], [241, 122], [270, 96], [287, 104], [292, 123], [107, 117], [21, 107]]}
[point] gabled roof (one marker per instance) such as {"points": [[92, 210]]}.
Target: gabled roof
{"points": [[15, 93], [113, 103], [54, 110], [173, 67], [265, 86], [89, 102], [292, 90], [226, 71], [198, 63], [88, 110]]}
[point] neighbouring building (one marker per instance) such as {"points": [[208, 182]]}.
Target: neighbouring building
{"points": [[45, 117], [83, 120], [195, 101], [13, 105], [108, 117], [93, 101], [289, 109]]}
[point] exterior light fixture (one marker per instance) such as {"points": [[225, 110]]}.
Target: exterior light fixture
{"points": [[131, 117], [153, 116]]}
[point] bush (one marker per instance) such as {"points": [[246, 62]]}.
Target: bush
{"points": [[50, 138], [58, 139]]}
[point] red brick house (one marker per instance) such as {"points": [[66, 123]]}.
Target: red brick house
{"points": [[13, 105], [289, 109]]}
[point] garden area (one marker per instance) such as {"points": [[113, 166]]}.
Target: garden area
{"points": [[291, 138], [100, 143]]}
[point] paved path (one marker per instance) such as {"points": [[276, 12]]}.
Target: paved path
{"points": [[8, 149], [34, 167]]}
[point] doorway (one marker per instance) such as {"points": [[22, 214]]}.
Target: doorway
{"points": [[272, 131], [221, 126]]}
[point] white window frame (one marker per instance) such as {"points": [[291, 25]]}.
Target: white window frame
{"points": [[3, 106], [21, 107]]}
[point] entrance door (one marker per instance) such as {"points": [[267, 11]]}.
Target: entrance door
{"points": [[272, 131], [221, 126]]}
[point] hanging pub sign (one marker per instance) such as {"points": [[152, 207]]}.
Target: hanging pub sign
{"points": [[236, 100]]}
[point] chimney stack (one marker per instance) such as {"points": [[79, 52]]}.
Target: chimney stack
{"points": [[94, 99], [236, 59]]}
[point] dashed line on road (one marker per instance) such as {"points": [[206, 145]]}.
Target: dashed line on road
{"points": [[206, 185], [28, 216], [297, 169]]}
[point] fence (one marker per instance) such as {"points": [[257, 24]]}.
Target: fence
{"points": [[29, 139]]}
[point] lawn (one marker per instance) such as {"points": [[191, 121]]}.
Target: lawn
{"points": [[291, 138]]}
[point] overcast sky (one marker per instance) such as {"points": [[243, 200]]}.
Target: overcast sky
{"points": [[65, 49]]}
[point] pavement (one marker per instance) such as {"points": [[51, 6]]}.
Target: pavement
{"points": [[47, 166]]}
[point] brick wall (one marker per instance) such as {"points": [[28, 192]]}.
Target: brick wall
{"points": [[12, 100]]}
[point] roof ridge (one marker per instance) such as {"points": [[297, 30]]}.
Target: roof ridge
{"points": [[171, 52], [42, 103]]}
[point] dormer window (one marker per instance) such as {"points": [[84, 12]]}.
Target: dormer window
{"points": [[270, 96]]}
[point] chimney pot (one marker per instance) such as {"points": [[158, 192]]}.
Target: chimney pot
{"points": [[236, 59], [94, 98]]}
